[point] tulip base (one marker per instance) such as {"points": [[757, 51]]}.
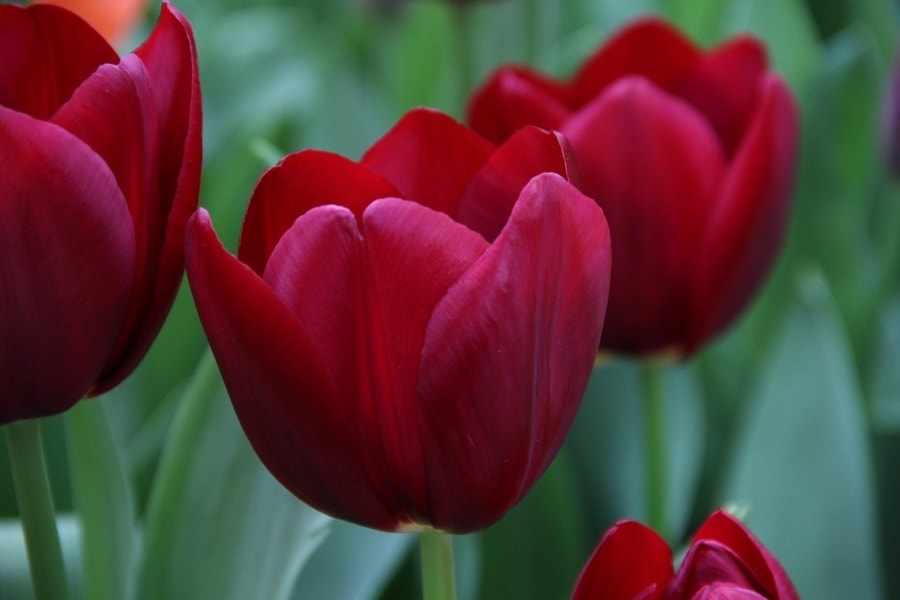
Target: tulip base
{"points": [[29, 471], [437, 565]]}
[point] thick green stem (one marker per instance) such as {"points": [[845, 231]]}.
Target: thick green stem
{"points": [[45, 560], [437, 565], [655, 447]]}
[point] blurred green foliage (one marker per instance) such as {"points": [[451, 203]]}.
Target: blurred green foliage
{"points": [[795, 411]]}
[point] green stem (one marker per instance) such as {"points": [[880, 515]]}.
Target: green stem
{"points": [[437, 565], [465, 57], [655, 447], [45, 560]]}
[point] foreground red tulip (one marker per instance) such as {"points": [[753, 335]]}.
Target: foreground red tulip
{"points": [[402, 363], [99, 171], [724, 561], [691, 155]]}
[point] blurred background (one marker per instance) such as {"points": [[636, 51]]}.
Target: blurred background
{"points": [[793, 416]]}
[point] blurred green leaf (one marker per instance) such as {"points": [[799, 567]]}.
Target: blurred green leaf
{"points": [[607, 445], [218, 525], [353, 563], [538, 549], [15, 578], [803, 463], [787, 29], [103, 502]]}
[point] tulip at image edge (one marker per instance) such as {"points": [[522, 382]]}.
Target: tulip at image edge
{"points": [[101, 167], [690, 153], [724, 560], [416, 356]]}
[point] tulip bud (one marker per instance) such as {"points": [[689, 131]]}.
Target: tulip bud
{"points": [[724, 560]]}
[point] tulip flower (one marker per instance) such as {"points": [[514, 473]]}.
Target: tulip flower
{"points": [[691, 155], [99, 167], [724, 561], [406, 339], [113, 19]]}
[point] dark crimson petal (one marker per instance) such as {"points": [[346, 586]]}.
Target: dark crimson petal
{"points": [[708, 562], [369, 319], [631, 562], [724, 86], [285, 387], [654, 165], [66, 262], [725, 529], [114, 113], [488, 201], [295, 185], [429, 158], [508, 352], [650, 48], [47, 52], [515, 97], [746, 228], [170, 58]]}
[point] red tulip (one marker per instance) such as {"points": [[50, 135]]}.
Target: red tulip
{"points": [[691, 156], [724, 561], [100, 167], [399, 363]]}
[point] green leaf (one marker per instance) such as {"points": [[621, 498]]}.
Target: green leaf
{"points": [[15, 578], [607, 444], [353, 563], [218, 525], [103, 502], [803, 463], [788, 30], [539, 547]]}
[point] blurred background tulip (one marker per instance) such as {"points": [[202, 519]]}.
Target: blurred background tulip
{"points": [[690, 153], [113, 19]]}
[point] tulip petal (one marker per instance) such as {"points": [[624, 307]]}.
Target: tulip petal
{"points": [[283, 384], [649, 48], [654, 165], [631, 562], [488, 201], [114, 113], [515, 97], [725, 529], [746, 229], [295, 185], [47, 52], [383, 299], [67, 251], [724, 87], [725, 591], [170, 59], [516, 335], [429, 158]]}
